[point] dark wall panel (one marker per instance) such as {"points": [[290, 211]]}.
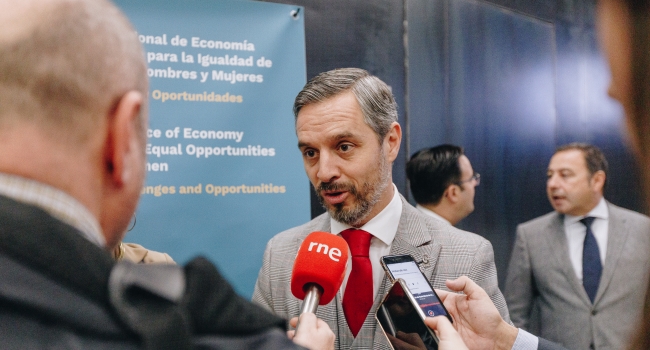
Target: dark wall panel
{"points": [[510, 81], [427, 74], [501, 92], [585, 112]]}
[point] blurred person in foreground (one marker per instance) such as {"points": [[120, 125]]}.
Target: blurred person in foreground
{"points": [[624, 27], [73, 115]]}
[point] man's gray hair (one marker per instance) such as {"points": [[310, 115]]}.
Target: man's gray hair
{"points": [[373, 95]]}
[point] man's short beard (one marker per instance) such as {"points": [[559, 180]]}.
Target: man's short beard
{"points": [[365, 200]]}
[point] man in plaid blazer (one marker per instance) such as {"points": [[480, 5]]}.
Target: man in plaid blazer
{"points": [[346, 123]]}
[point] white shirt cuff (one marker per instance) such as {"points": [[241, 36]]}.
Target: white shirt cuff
{"points": [[525, 341]]}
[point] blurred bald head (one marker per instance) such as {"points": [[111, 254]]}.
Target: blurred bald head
{"points": [[73, 95], [63, 63]]}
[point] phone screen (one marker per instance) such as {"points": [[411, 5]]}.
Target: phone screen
{"points": [[402, 323], [407, 269]]}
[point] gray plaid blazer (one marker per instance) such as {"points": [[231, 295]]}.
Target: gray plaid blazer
{"points": [[540, 274], [442, 251]]}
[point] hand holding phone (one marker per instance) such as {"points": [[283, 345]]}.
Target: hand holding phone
{"points": [[402, 320]]}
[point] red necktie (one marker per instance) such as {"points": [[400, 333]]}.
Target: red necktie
{"points": [[357, 299]]}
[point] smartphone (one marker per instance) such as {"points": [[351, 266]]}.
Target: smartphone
{"points": [[402, 320], [405, 267]]}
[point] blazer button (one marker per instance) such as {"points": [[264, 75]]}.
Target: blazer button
{"points": [[591, 346], [593, 313]]}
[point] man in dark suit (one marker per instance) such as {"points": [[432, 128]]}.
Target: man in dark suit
{"points": [[585, 265], [348, 134], [73, 121]]}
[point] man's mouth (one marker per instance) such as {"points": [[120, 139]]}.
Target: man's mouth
{"points": [[334, 197], [335, 193], [557, 198]]}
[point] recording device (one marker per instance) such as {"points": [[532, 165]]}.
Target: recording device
{"points": [[405, 267], [319, 270], [402, 320]]}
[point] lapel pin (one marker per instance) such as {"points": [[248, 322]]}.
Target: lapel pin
{"points": [[425, 259]]}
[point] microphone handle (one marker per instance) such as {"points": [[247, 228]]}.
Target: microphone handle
{"points": [[310, 303]]}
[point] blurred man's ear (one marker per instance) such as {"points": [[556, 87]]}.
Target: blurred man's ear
{"points": [[123, 127], [452, 193], [598, 181]]}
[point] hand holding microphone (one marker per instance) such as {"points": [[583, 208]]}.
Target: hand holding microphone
{"points": [[315, 334], [319, 270]]}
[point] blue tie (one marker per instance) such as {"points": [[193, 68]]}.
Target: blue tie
{"points": [[591, 265]]}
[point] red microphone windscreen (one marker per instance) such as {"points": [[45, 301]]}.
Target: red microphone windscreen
{"points": [[321, 259]]}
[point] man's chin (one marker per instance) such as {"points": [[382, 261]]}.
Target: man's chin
{"points": [[348, 217], [561, 210], [335, 210]]}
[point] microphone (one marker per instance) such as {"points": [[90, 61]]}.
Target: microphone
{"points": [[319, 270]]}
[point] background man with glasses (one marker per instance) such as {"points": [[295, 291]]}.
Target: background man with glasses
{"points": [[443, 182], [585, 265]]}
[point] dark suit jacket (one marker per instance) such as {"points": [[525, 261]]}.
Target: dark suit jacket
{"points": [[540, 272], [442, 251], [55, 293]]}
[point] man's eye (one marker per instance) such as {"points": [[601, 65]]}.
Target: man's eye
{"points": [[310, 153], [345, 147]]}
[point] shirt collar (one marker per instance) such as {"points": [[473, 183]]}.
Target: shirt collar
{"points": [[383, 226], [432, 213], [600, 211], [55, 202]]}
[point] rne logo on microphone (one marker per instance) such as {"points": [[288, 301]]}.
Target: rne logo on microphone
{"points": [[334, 252]]}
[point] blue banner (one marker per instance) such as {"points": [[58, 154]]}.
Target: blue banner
{"points": [[224, 171]]}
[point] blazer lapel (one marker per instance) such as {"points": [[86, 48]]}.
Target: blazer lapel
{"points": [[411, 238], [617, 234], [560, 247], [414, 238]]}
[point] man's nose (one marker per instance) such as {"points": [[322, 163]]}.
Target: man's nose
{"points": [[328, 167], [552, 181]]}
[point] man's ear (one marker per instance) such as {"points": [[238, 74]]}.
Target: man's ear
{"points": [[451, 193], [122, 129], [598, 181], [392, 141]]}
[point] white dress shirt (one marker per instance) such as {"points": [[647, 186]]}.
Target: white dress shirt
{"points": [[525, 341], [576, 232], [432, 214], [383, 228]]}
